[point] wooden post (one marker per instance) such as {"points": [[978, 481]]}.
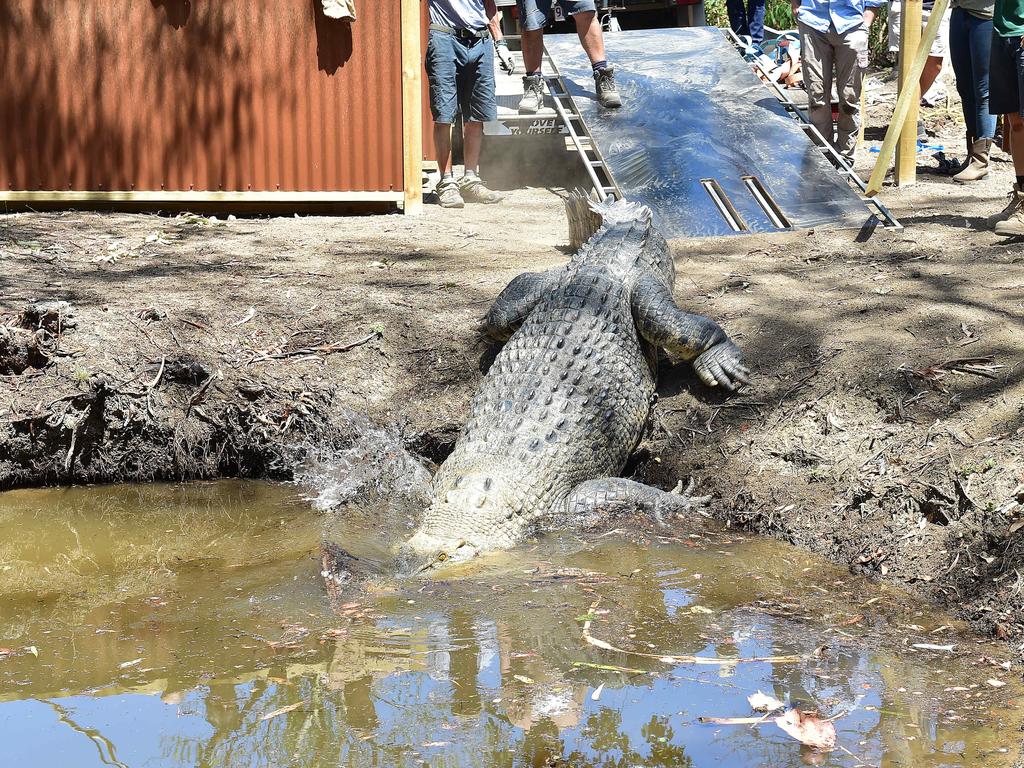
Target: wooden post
{"points": [[906, 98], [412, 107], [910, 41]]}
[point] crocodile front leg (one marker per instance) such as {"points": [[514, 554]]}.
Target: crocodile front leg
{"points": [[594, 502], [515, 303], [716, 359]]}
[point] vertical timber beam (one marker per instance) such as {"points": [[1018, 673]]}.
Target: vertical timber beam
{"points": [[910, 42], [903, 102], [412, 107]]}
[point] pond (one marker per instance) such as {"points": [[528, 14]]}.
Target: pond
{"points": [[188, 625]]}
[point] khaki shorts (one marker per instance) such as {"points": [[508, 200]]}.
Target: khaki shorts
{"points": [[941, 44]]}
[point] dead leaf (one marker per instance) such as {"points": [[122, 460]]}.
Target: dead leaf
{"points": [[248, 316], [132, 663], [995, 683], [524, 679], [282, 710], [762, 702], [596, 695], [808, 728]]}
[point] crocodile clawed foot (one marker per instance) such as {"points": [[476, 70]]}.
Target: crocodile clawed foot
{"points": [[683, 498]]}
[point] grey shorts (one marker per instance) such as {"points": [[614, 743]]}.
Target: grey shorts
{"points": [[461, 76], [535, 14]]}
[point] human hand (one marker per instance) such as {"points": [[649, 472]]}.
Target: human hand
{"points": [[722, 365], [505, 60]]}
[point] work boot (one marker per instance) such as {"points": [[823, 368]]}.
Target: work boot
{"points": [[607, 92], [977, 162], [1012, 207], [474, 190], [533, 95], [1013, 222], [448, 195]]}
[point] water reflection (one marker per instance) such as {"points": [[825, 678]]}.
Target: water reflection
{"points": [[224, 652]]}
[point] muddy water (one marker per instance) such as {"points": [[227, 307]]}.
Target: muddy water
{"points": [[187, 626]]}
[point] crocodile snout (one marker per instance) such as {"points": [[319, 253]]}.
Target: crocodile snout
{"points": [[424, 553]]}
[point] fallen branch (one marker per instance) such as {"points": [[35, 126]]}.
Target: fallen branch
{"points": [[684, 659], [323, 349]]}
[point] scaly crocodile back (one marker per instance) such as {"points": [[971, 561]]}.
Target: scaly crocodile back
{"points": [[565, 400]]}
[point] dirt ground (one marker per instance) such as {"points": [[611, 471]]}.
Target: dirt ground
{"points": [[884, 430]]}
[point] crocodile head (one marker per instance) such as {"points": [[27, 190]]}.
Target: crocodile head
{"points": [[425, 553]]}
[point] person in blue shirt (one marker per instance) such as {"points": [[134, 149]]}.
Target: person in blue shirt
{"points": [[835, 51]]}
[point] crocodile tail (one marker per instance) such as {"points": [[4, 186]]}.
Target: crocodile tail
{"points": [[586, 216]]}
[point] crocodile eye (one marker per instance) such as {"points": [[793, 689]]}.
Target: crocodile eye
{"points": [[442, 556]]}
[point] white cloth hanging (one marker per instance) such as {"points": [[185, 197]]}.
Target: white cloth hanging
{"points": [[340, 9]]}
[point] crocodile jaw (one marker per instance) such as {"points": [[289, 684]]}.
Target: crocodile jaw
{"points": [[425, 552]]}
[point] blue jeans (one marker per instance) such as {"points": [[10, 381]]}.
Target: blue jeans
{"points": [[970, 50], [746, 17], [461, 76]]}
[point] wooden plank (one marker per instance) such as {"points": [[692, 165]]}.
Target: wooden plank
{"points": [[412, 107], [910, 41], [164, 196], [905, 98]]}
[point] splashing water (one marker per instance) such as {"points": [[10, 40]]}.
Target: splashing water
{"points": [[375, 464]]}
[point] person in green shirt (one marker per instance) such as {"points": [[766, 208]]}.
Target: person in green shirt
{"points": [[1006, 88]]}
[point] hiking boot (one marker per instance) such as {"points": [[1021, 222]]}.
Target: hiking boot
{"points": [[448, 195], [533, 95], [977, 162], [1012, 223], [1012, 207], [475, 191], [607, 92]]}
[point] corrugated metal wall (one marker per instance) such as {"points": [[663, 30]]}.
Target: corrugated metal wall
{"points": [[240, 95]]}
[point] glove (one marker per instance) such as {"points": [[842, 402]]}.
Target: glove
{"points": [[505, 60]]}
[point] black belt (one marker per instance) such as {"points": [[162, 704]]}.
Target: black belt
{"points": [[473, 34]]}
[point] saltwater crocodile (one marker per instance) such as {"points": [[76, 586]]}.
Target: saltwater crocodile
{"points": [[566, 400]]}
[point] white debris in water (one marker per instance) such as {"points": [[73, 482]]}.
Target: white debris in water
{"points": [[377, 461]]}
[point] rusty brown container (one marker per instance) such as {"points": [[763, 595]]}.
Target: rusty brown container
{"points": [[242, 96]]}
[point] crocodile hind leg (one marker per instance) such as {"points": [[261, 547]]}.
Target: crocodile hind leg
{"points": [[516, 302], [716, 359], [597, 501]]}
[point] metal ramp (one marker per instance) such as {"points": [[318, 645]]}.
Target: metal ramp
{"points": [[700, 139]]}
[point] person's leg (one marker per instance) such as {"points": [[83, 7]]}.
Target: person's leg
{"points": [[1007, 85], [441, 68], [443, 148], [472, 141], [479, 105], [851, 53], [588, 27], [737, 10], [1015, 124], [981, 55], [533, 17], [931, 71], [591, 35], [981, 126], [817, 63], [755, 20], [961, 58]]}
